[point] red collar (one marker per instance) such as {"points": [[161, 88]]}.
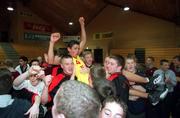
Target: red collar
{"points": [[114, 75]]}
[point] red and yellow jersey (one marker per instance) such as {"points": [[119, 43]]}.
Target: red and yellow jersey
{"points": [[81, 76]]}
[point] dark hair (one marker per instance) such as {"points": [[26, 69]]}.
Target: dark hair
{"points": [[71, 43], [122, 104], [23, 58], [33, 60], [103, 86], [97, 72], [177, 57], [163, 60], [5, 81], [75, 99], [152, 58], [119, 59]]}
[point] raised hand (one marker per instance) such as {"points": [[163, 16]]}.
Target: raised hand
{"points": [[47, 80], [81, 20], [55, 37], [34, 70], [41, 74]]}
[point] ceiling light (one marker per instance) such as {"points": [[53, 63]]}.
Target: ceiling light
{"points": [[10, 8], [71, 23], [126, 8]]}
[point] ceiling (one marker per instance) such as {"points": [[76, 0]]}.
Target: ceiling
{"points": [[60, 12]]}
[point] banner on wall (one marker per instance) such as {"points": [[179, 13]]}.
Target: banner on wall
{"points": [[67, 39], [36, 36], [37, 27]]}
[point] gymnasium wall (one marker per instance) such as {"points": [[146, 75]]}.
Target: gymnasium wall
{"points": [[134, 30], [130, 30], [23, 16]]}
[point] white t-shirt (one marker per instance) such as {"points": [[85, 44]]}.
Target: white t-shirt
{"points": [[27, 85]]}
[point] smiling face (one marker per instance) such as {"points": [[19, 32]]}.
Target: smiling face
{"points": [[74, 50], [112, 66], [67, 65], [34, 80], [111, 110], [88, 58]]}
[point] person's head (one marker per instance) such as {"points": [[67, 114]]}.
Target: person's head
{"points": [[103, 86], [75, 99], [36, 78], [149, 61], [88, 58], [176, 61], [8, 63], [164, 64], [34, 62], [23, 60], [40, 59], [73, 48], [97, 72], [115, 64], [5, 81], [67, 64], [112, 107], [130, 63]]}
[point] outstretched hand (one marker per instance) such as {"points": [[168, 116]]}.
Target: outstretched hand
{"points": [[33, 111]]}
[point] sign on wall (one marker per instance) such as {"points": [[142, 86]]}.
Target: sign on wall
{"points": [[67, 39], [36, 36], [37, 27]]}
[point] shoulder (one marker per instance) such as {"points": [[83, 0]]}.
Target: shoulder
{"points": [[17, 67], [158, 71], [20, 105], [171, 72]]}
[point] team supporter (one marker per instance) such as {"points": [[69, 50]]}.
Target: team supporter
{"points": [[88, 58], [23, 65], [75, 48], [169, 80], [32, 81], [75, 99], [150, 68], [51, 87]]}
